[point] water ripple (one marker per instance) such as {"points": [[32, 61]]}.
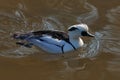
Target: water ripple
{"points": [[111, 31]]}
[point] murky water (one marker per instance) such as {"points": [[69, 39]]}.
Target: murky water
{"points": [[99, 60]]}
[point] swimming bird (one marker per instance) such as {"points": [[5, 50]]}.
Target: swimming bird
{"points": [[54, 41]]}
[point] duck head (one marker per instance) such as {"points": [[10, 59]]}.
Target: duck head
{"points": [[79, 30]]}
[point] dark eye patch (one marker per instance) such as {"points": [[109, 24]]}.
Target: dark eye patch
{"points": [[84, 33], [72, 29]]}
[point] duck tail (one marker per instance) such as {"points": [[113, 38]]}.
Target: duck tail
{"points": [[21, 36]]}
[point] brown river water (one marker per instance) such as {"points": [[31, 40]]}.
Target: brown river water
{"points": [[99, 60]]}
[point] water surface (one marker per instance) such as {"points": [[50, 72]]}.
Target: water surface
{"points": [[100, 60]]}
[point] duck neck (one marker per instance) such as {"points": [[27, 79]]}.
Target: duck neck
{"points": [[76, 42]]}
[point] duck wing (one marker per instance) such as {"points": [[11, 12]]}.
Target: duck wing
{"points": [[60, 35], [49, 38]]}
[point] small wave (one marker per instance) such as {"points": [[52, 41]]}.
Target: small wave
{"points": [[52, 23], [114, 15], [111, 32], [93, 48], [18, 52], [89, 17], [114, 65]]}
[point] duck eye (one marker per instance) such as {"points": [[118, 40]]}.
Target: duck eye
{"points": [[72, 29]]}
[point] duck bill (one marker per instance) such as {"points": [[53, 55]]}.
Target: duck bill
{"points": [[89, 34]]}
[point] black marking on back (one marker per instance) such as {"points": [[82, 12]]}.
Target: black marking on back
{"points": [[55, 34]]}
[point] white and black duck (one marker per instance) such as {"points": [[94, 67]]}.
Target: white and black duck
{"points": [[54, 41]]}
